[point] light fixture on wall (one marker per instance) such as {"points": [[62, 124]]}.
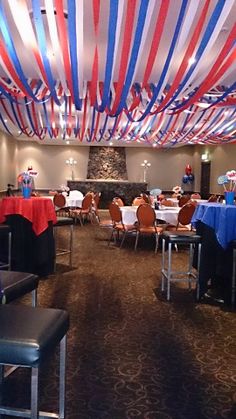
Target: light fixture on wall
{"points": [[205, 157], [71, 162], [145, 166]]}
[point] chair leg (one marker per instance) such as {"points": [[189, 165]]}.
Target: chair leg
{"points": [[156, 237], [198, 270], [71, 244], [169, 270], [62, 380], [34, 393], [123, 238], [136, 240], [9, 251], [163, 266]]}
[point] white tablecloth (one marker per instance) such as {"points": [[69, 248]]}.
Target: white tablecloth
{"points": [[74, 202], [169, 215]]}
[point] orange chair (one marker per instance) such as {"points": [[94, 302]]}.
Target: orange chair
{"points": [[195, 196], [183, 200], [167, 203], [59, 202], [146, 198], [213, 198], [118, 225], [138, 201], [84, 211], [118, 201], [94, 208], [147, 223], [184, 218]]}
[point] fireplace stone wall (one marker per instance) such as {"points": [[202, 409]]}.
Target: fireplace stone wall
{"points": [[107, 163]]}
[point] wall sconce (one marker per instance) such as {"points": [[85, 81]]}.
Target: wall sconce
{"points": [[145, 166], [71, 162], [205, 157]]}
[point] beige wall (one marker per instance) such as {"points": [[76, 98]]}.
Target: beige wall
{"points": [[49, 161], [167, 166], [222, 158], [8, 158]]}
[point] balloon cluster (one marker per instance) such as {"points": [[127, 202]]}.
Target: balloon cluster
{"points": [[188, 177]]}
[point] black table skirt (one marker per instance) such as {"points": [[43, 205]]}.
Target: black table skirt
{"points": [[216, 263], [30, 253]]}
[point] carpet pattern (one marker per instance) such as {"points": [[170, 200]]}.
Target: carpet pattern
{"points": [[132, 354]]}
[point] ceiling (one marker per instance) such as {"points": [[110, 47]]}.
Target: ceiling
{"points": [[131, 72]]}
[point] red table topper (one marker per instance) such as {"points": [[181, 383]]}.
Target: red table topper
{"points": [[39, 211]]}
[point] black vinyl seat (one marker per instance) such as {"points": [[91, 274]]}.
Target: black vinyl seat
{"points": [[27, 336], [175, 238], [14, 285], [5, 231]]}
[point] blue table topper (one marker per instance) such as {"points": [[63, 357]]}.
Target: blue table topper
{"points": [[220, 217]]}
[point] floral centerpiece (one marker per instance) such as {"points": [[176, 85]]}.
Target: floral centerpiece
{"points": [[228, 181], [178, 191], [25, 180]]}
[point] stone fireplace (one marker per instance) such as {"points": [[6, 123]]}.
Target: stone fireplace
{"points": [[107, 173], [107, 163]]}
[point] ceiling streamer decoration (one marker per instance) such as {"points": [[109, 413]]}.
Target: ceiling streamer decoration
{"points": [[149, 72]]}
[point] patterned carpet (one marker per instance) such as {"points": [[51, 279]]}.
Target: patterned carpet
{"points": [[131, 354]]}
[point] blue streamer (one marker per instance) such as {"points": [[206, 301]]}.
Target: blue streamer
{"points": [[156, 90], [134, 54], [47, 120], [103, 129], [73, 54], [12, 52], [38, 21], [205, 39], [110, 54]]}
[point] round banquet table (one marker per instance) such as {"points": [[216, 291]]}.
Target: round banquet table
{"points": [[31, 221]]}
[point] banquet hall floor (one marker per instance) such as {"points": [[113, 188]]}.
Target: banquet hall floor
{"points": [[131, 354]]}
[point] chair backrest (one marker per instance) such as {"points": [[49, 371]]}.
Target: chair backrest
{"points": [[145, 197], [59, 200], [183, 200], [167, 203], [146, 215], [195, 196], [118, 201], [96, 199], [138, 201], [185, 213], [115, 213], [213, 198], [87, 201]]}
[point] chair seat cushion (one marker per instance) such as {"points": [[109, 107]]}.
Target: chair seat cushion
{"points": [[17, 284], [28, 334], [184, 237], [150, 230], [64, 221]]}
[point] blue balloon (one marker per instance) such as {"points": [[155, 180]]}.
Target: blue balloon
{"points": [[185, 179], [191, 177]]}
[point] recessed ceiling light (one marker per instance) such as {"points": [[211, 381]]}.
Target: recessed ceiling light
{"points": [[5, 120], [67, 142]]}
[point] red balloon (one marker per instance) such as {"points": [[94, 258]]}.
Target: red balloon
{"points": [[188, 169]]}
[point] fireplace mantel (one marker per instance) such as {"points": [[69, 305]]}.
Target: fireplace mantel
{"points": [[109, 188]]}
